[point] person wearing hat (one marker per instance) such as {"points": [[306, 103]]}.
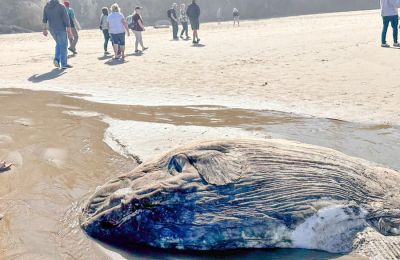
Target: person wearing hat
{"points": [[136, 24], [75, 26]]}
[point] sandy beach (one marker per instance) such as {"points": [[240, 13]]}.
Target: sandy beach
{"points": [[326, 65], [319, 79]]}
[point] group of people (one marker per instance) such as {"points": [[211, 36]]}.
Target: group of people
{"points": [[179, 14], [60, 20], [115, 27]]}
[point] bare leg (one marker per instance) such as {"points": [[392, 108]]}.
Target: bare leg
{"points": [[122, 52], [115, 46]]}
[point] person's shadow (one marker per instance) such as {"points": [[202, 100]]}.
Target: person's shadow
{"points": [[55, 73], [113, 62], [105, 57], [137, 54], [198, 45]]}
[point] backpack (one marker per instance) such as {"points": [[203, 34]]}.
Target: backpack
{"points": [[169, 13], [130, 21]]}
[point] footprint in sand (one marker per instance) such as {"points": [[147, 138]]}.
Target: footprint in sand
{"points": [[5, 139], [24, 121], [55, 157]]}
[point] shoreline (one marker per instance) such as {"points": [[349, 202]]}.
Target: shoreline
{"points": [[59, 140]]}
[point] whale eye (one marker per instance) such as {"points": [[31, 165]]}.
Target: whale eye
{"points": [[177, 163]]}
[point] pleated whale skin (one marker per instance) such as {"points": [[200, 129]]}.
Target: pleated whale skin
{"points": [[228, 194]]}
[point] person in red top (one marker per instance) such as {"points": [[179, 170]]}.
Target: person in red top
{"points": [[137, 25]]}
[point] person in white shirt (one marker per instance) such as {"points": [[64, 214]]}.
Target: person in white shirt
{"points": [[389, 12], [117, 26]]}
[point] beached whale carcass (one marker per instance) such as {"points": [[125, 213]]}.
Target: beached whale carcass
{"points": [[228, 194]]}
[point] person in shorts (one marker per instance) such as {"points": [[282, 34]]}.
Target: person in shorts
{"points": [[193, 12], [117, 26]]}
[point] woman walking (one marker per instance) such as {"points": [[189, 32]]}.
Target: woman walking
{"points": [[117, 26], [183, 18], [137, 25], [104, 28]]}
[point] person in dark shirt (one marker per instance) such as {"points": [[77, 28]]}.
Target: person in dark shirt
{"points": [[55, 15], [173, 16], [137, 25], [193, 12]]}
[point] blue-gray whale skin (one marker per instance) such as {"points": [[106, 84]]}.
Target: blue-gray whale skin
{"points": [[228, 194]]}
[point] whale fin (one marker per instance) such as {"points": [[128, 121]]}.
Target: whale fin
{"points": [[216, 167], [375, 246]]}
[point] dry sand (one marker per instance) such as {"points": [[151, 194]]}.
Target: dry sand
{"points": [[327, 65]]}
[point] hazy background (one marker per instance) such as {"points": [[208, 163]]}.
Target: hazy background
{"points": [[18, 15]]}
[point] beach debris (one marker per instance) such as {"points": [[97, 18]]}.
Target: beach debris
{"points": [[5, 166]]}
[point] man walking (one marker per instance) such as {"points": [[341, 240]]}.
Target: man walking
{"points": [[56, 16], [390, 15], [75, 27], [173, 16], [193, 12]]}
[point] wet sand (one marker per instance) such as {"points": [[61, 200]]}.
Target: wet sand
{"points": [[57, 145], [57, 160]]}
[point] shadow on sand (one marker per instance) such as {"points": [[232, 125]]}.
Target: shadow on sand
{"points": [[136, 54], [198, 45], [105, 57], [55, 73], [113, 62]]}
